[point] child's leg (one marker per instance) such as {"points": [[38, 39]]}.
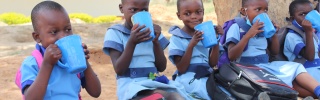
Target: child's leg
{"points": [[307, 82], [302, 91]]}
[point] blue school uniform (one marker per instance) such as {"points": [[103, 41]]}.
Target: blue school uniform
{"points": [[143, 62], [256, 54], [61, 86], [292, 47], [179, 42]]}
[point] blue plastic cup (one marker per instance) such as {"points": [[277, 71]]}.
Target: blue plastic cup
{"points": [[144, 18], [73, 57], [313, 16], [268, 29], [209, 34]]}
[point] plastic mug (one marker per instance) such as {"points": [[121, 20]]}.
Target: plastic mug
{"points": [[268, 29], [144, 18], [73, 57], [209, 34], [313, 16]]}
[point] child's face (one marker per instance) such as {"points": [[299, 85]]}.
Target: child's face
{"points": [[51, 26], [130, 7], [191, 13], [301, 11], [254, 8]]}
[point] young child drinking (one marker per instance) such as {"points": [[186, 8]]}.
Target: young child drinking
{"points": [[134, 57], [296, 47], [289, 72], [187, 53], [51, 82]]}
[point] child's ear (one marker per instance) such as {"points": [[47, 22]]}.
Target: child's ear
{"points": [[120, 8], [290, 19], [36, 37], [178, 15], [243, 11]]}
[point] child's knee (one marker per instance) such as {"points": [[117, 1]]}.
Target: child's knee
{"points": [[174, 96]]}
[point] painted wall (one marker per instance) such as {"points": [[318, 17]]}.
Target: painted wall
{"points": [[94, 8]]}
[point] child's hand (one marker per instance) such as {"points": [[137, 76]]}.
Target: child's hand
{"points": [[219, 30], [52, 54], [307, 26], [276, 25], [196, 38], [137, 37], [86, 51], [254, 30], [157, 32]]}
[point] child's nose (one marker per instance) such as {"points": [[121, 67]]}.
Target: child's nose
{"points": [[63, 34]]}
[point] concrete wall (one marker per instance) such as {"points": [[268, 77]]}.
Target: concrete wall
{"points": [[92, 7]]}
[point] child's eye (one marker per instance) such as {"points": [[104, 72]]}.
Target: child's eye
{"points": [[132, 10], [53, 32], [199, 12], [68, 30], [257, 9], [187, 14]]}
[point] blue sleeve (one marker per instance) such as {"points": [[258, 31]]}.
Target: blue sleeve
{"points": [[233, 35], [164, 42], [175, 48], [29, 71], [295, 43], [112, 40]]}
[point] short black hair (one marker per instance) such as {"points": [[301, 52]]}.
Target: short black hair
{"points": [[44, 5], [244, 2], [179, 3], [293, 5]]}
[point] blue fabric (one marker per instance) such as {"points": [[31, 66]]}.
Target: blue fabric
{"points": [[175, 30], [61, 85], [255, 60], [138, 72], [179, 42], [256, 45], [232, 40], [176, 52], [317, 91], [314, 63], [113, 45], [298, 48], [143, 57], [25, 84], [295, 23]]}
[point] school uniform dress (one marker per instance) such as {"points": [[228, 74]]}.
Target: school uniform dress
{"points": [[179, 42], [292, 47], [256, 54], [62, 85], [135, 78]]}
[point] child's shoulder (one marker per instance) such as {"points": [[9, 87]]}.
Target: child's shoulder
{"points": [[29, 62], [118, 28], [177, 32]]}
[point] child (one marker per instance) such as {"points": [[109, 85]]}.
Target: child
{"points": [[134, 57], [51, 22], [187, 53], [295, 47], [289, 72]]}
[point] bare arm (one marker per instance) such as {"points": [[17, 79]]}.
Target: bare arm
{"points": [[160, 58], [308, 51], [214, 56], [92, 83], [183, 62]]}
